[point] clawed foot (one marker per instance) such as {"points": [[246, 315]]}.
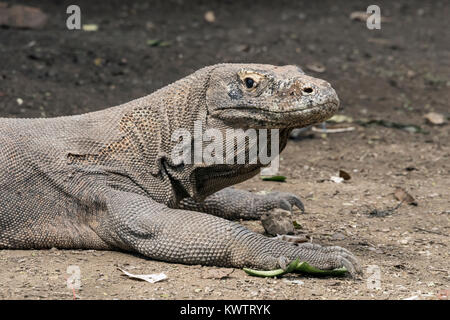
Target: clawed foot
{"points": [[312, 259], [328, 258], [283, 200], [317, 256]]}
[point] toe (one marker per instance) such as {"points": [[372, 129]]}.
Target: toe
{"points": [[349, 266], [294, 200], [333, 257], [290, 198], [285, 205]]}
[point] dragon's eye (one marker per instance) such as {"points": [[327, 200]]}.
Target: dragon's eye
{"points": [[250, 83]]}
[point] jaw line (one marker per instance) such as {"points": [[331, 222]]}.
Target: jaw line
{"points": [[262, 110], [276, 122]]}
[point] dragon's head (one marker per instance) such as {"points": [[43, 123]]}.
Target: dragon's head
{"points": [[266, 96]]}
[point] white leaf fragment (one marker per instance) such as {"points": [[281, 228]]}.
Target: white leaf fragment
{"points": [[295, 281], [151, 278], [412, 298], [336, 179]]}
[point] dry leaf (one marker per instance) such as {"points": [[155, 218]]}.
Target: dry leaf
{"points": [[435, 118], [151, 278], [359, 16], [363, 16], [90, 27], [98, 61], [404, 196], [344, 175], [22, 16], [339, 118], [316, 67], [243, 48]]}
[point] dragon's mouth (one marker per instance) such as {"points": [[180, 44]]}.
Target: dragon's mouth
{"points": [[267, 118], [252, 109]]}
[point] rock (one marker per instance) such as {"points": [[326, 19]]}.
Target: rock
{"points": [[338, 236], [278, 221], [435, 118], [210, 16], [402, 195], [298, 133], [19, 16], [336, 179]]}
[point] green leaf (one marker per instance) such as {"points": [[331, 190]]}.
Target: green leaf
{"points": [[164, 43], [304, 267], [158, 43], [296, 266], [264, 273], [296, 225], [153, 42], [273, 273], [274, 178]]}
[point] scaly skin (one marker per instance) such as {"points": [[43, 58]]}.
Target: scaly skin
{"points": [[105, 180]]}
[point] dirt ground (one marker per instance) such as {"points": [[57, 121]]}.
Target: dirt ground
{"points": [[397, 74]]}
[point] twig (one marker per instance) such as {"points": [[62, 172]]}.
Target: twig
{"points": [[336, 130]]}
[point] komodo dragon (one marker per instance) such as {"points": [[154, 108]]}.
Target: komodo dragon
{"points": [[105, 180]]}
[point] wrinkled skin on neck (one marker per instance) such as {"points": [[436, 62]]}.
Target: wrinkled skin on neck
{"points": [[223, 97]]}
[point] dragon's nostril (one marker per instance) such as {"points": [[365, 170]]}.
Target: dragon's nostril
{"points": [[307, 90]]}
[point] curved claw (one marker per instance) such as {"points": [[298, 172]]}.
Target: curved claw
{"points": [[298, 203], [287, 200], [285, 205], [283, 262], [335, 257], [347, 257], [349, 266]]}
